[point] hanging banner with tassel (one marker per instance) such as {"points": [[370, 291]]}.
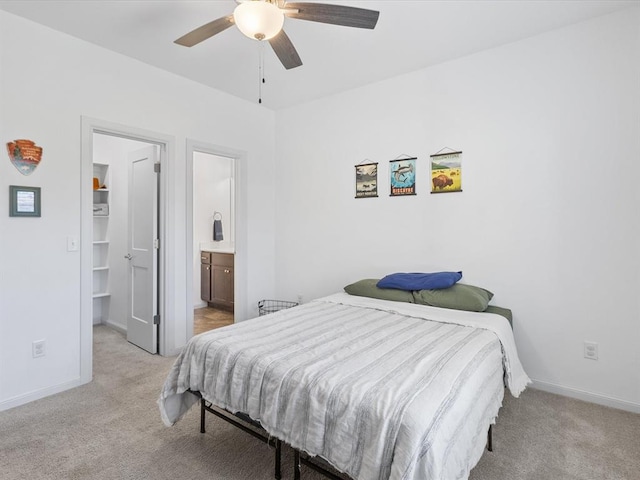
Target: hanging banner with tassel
{"points": [[402, 173], [366, 179], [446, 171]]}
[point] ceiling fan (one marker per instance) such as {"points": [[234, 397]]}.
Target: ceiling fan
{"points": [[263, 20]]}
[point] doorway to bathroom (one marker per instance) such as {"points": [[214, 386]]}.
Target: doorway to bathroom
{"points": [[212, 175]]}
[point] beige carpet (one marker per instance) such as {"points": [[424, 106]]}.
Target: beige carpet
{"points": [[111, 429]]}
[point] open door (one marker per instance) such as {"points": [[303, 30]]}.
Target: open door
{"points": [[142, 243]]}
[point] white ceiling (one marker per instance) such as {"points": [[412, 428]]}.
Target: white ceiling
{"points": [[410, 35]]}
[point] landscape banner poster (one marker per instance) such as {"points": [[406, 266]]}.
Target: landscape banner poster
{"points": [[367, 180], [446, 172], [403, 177]]}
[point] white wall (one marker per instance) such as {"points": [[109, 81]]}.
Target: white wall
{"points": [[48, 80], [547, 220], [212, 192]]}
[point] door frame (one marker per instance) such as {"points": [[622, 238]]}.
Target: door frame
{"points": [[240, 225], [166, 282]]}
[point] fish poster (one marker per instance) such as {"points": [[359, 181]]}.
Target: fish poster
{"points": [[367, 180], [25, 155], [403, 177], [446, 172]]}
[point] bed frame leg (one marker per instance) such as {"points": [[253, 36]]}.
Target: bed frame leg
{"points": [[278, 473], [490, 439], [296, 465], [202, 413]]}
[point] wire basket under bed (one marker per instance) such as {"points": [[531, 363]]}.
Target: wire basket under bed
{"points": [[270, 306]]}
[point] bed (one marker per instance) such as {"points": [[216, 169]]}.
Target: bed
{"points": [[378, 389]]}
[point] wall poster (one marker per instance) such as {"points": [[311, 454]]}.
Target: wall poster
{"points": [[446, 172], [367, 180], [403, 177]]}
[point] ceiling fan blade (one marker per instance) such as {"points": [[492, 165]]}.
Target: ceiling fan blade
{"points": [[285, 50], [334, 14], [205, 31]]}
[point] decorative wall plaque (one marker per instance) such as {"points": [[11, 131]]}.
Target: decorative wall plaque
{"points": [[25, 155]]}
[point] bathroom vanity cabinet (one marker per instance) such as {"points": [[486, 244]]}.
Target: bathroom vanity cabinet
{"points": [[216, 279]]}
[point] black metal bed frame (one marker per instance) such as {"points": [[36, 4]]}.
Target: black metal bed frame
{"points": [[228, 417], [299, 458]]}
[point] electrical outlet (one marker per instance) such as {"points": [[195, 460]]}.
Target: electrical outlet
{"points": [[38, 348], [591, 350]]}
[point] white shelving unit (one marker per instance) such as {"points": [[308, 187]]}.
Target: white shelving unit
{"points": [[101, 201]]}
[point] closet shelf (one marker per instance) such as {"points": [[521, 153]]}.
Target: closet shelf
{"points": [[100, 249]]}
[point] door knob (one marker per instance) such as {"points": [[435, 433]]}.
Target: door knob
{"points": [[128, 256]]}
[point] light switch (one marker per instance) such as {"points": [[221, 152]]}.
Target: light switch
{"points": [[72, 243]]}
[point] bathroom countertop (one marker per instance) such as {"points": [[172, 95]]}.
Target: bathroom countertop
{"points": [[212, 247], [218, 250]]}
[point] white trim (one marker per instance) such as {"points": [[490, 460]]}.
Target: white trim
{"points": [[240, 223], [597, 398], [116, 326], [38, 394], [167, 264]]}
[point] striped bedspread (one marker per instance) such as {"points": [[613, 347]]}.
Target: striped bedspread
{"points": [[381, 390]]}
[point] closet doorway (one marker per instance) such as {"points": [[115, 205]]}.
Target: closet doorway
{"points": [[125, 261], [213, 258]]}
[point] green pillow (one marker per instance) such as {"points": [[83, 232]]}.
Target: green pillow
{"points": [[505, 312], [458, 297], [368, 288]]}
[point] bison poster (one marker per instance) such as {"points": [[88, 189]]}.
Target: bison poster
{"points": [[367, 180], [446, 172], [403, 177]]}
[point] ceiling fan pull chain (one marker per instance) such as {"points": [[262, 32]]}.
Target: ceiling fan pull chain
{"points": [[262, 60], [260, 71]]}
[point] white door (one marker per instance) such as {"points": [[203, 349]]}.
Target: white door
{"points": [[142, 246]]}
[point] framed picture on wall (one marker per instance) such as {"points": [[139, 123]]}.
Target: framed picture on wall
{"points": [[24, 201], [367, 180], [403, 177]]}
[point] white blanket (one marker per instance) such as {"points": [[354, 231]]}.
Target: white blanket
{"points": [[381, 390]]}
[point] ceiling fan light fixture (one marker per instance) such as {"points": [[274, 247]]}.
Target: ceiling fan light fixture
{"points": [[260, 20]]}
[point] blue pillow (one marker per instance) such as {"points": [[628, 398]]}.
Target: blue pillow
{"points": [[420, 281]]}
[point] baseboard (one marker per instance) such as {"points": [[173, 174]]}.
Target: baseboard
{"points": [[38, 394], [173, 353], [586, 396], [116, 326]]}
